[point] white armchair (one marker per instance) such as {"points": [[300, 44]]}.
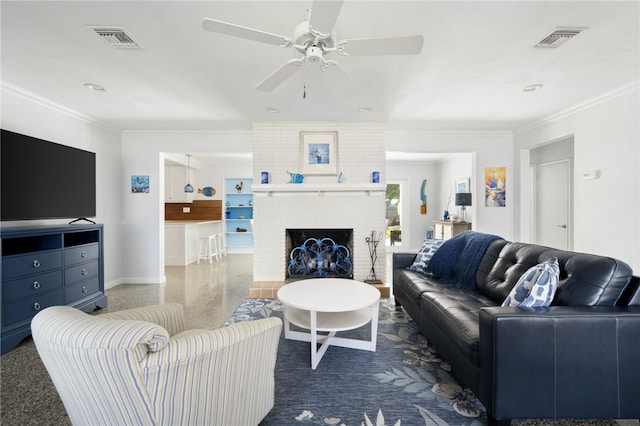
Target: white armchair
{"points": [[140, 366]]}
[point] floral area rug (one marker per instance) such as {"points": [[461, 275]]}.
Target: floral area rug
{"points": [[404, 382]]}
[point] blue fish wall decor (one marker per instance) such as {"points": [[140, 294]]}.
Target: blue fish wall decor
{"points": [[207, 191]]}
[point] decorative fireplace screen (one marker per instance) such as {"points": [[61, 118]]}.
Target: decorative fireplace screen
{"points": [[319, 253], [320, 258]]}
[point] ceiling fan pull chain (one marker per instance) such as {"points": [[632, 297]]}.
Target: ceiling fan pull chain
{"points": [[304, 92]]}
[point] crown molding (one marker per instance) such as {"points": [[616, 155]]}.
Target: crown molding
{"points": [[448, 133], [223, 131], [18, 91], [620, 91]]}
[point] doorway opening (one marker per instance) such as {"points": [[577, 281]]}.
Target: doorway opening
{"points": [[551, 195], [393, 214]]}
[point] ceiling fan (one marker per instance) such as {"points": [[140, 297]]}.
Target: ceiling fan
{"points": [[314, 39]]}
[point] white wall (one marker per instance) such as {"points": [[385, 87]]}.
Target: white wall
{"points": [[143, 216], [606, 136], [487, 149], [26, 114]]}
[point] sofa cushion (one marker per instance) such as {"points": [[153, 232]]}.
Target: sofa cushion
{"points": [[456, 312], [412, 284], [536, 287], [429, 247]]}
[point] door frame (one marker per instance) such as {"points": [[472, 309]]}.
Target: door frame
{"points": [[405, 222]]}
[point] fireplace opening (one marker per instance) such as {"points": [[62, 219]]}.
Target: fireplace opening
{"points": [[319, 253]]}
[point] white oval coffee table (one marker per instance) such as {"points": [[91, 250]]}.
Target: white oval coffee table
{"points": [[329, 305]]}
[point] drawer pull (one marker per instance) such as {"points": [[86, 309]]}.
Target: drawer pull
{"points": [[36, 306], [83, 254], [84, 272], [84, 289], [36, 263], [36, 285]]}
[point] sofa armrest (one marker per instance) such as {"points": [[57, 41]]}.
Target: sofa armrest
{"points": [[402, 260], [169, 316], [560, 362]]}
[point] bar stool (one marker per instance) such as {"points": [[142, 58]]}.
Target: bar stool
{"points": [[208, 248], [222, 247]]}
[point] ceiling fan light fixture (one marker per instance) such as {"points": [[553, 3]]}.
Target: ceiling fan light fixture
{"points": [[314, 54]]}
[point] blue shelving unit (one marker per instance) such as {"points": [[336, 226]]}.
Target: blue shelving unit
{"points": [[238, 212]]}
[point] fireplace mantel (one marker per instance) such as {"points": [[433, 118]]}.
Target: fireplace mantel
{"points": [[293, 188]]}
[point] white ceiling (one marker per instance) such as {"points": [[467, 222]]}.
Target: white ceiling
{"points": [[476, 59]]}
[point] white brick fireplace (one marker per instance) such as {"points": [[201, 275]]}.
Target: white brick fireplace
{"points": [[320, 201]]}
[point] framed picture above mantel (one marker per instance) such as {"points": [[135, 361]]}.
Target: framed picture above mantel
{"points": [[319, 153]]}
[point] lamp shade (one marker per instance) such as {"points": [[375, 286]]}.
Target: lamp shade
{"points": [[463, 199]]}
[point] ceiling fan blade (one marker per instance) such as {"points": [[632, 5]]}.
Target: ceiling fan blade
{"points": [[281, 74], [339, 78], [409, 45], [324, 14], [244, 32]]}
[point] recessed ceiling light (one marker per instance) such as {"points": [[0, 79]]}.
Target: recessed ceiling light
{"points": [[95, 87], [532, 87], [365, 109], [273, 110]]}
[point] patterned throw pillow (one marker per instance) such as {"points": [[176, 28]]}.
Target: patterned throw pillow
{"points": [[536, 287], [429, 247]]}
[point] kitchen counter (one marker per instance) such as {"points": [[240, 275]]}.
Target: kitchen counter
{"points": [[181, 238]]}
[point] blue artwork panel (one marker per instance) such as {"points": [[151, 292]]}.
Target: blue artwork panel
{"points": [[140, 184], [319, 153]]}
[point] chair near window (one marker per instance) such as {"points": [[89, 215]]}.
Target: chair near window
{"points": [[141, 366], [395, 237]]}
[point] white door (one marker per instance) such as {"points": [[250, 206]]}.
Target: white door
{"points": [[552, 201]]}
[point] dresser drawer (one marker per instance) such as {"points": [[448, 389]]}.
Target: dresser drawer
{"points": [[30, 286], [81, 290], [80, 254], [32, 263], [81, 272], [27, 308]]}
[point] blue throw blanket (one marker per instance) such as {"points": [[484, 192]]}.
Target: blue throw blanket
{"points": [[457, 259]]}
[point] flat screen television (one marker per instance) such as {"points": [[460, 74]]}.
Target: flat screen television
{"points": [[45, 180]]}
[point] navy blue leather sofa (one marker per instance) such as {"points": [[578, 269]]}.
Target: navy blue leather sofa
{"points": [[579, 358]]}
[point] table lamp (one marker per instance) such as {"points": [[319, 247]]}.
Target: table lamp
{"points": [[463, 199]]}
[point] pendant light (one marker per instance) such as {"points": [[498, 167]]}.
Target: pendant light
{"points": [[188, 187]]}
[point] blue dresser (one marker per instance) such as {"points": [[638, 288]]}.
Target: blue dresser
{"points": [[44, 266]]}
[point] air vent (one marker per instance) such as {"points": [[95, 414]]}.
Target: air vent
{"points": [[559, 37], [116, 37]]}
